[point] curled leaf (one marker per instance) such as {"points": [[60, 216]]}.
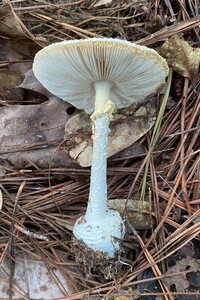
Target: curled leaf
{"points": [[181, 56], [31, 83]]}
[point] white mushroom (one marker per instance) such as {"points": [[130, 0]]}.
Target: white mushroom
{"points": [[99, 76]]}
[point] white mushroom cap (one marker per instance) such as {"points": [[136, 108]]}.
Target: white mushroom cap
{"points": [[69, 70]]}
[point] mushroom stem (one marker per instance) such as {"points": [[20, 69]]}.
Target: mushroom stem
{"points": [[97, 204], [102, 89], [101, 229]]}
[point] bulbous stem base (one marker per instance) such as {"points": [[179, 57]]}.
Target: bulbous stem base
{"points": [[101, 234]]}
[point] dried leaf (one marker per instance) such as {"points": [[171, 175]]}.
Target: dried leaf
{"points": [[9, 86], [181, 282], [20, 51], [32, 277], [28, 48], [126, 129], [181, 56], [133, 151], [31, 83], [9, 25], [137, 212], [31, 133]]}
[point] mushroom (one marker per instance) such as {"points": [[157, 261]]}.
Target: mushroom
{"points": [[100, 75]]}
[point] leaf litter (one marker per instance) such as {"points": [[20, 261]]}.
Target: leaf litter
{"points": [[180, 281], [44, 190], [184, 59]]}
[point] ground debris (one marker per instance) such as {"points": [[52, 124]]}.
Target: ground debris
{"points": [[184, 59], [30, 133], [49, 197], [10, 26], [10, 92], [91, 261], [180, 280]]}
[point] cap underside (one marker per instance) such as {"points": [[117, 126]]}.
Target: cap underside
{"points": [[69, 69]]}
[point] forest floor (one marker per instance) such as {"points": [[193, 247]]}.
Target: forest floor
{"points": [[43, 190]]}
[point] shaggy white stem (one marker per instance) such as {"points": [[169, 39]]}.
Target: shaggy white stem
{"points": [[100, 229], [97, 204]]}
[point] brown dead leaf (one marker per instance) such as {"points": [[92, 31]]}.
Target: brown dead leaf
{"points": [[9, 86], [126, 129], [181, 282], [17, 55], [181, 56], [32, 133], [137, 212], [31, 83], [26, 47], [134, 151], [9, 25]]}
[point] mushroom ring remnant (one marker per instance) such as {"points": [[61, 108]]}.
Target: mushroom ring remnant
{"points": [[99, 76]]}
